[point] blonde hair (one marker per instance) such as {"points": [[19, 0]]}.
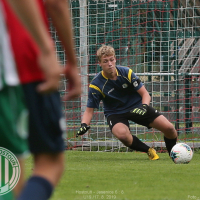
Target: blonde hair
{"points": [[105, 50]]}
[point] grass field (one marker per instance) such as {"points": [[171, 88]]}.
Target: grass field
{"points": [[126, 176]]}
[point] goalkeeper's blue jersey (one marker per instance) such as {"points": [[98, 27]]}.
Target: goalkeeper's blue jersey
{"points": [[118, 96]]}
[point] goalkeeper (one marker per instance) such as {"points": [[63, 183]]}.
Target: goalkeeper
{"points": [[124, 98]]}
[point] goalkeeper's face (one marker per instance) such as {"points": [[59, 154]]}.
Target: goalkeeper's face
{"points": [[108, 64]]}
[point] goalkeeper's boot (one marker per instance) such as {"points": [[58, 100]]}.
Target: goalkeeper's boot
{"points": [[152, 154]]}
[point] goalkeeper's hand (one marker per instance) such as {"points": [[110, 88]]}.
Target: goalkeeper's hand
{"points": [[141, 110], [83, 129]]}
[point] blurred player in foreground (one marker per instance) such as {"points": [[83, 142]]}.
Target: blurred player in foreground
{"points": [[13, 111], [40, 74], [124, 98]]}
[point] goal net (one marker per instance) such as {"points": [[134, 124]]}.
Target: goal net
{"points": [[160, 41]]}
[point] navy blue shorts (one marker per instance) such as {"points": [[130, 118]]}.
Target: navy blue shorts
{"points": [[46, 121], [124, 118]]}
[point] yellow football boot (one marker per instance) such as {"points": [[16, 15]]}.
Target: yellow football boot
{"points": [[152, 154]]}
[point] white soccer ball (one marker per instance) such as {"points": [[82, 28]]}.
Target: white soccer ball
{"points": [[181, 153]]}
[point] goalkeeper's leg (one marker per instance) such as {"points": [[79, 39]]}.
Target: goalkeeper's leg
{"points": [[122, 132], [170, 133]]}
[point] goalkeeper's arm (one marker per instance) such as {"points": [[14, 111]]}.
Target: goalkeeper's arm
{"points": [[87, 117], [146, 98]]}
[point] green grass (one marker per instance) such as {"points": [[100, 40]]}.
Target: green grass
{"points": [[145, 137], [126, 176]]}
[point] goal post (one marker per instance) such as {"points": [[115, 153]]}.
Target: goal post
{"points": [[160, 41]]}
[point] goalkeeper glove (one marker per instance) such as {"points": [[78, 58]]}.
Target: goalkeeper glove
{"points": [[83, 129], [141, 110]]}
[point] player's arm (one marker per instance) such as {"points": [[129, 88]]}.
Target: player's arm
{"points": [[142, 110], [29, 14], [139, 87], [59, 12], [87, 117], [94, 98], [146, 98]]}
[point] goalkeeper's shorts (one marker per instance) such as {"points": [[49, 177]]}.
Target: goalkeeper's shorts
{"points": [[46, 121], [124, 118]]}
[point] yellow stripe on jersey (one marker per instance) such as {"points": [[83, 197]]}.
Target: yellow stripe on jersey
{"points": [[96, 88], [117, 72], [103, 75], [129, 75]]}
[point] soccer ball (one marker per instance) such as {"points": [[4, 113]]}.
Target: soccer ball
{"points": [[181, 153]]}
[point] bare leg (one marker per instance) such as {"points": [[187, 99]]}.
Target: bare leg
{"points": [[170, 133], [163, 125], [122, 132], [49, 166], [47, 172]]}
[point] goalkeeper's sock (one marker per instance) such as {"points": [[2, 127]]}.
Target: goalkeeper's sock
{"points": [[139, 145], [170, 143], [36, 188]]}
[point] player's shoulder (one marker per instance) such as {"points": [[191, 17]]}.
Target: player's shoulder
{"points": [[123, 70], [98, 80], [98, 83]]}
